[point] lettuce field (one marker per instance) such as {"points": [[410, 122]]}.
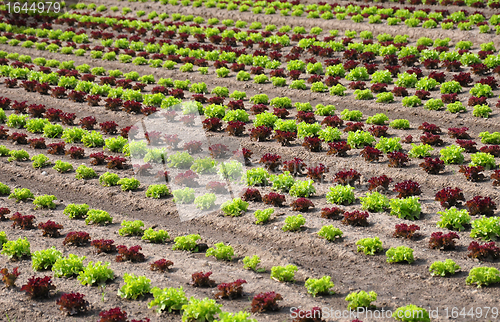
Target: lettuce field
{"points": [[235, 160]]}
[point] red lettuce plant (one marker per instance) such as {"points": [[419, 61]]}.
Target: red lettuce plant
{"points": [[213, 124], [307, 117], [378, 130], [56, 148], [10, 82], [294, 166], [132, 107], [104, 246], [108, 127], [193, 147], [407, 188], [53, 114], [50, 228], [113, 315], [430, 128], [332, 213], [405, 231], [357, 85], [19, 107], [481, 206], [463, 78], [258, 109], [230, 290], [4, 133], [371, 154], [98, 158], [131, 254], [338, 148], [5, 103], [333, 121], [378, 88], [400, 91], [247, 154], [72, 303], [3, 212], [38, 287], [124, 131], [9, 279], [19, 138], [76, 152], [154, 137], [479, 68], [468, 145], [261, 133], [397, 159], [216, 187], [218, 150], [252, 194], [459, 132], [77, 96], [332, 81], [423, 94], [354, 126], [187, 179], [264, 302], [431, 63], [449, 98], [482, 252], [439, 76], [88, 122], [201, 279], [409, 60], [356, 218], [115, 162], [472, 173], [494, 150], [161, 265], [36, 110], [284, 137], [113, 104], [274, 199], [490, 80], [188, 120], [348, 177], [495, 176], [21, 221], [432, 165], [443, 241], [312, 144], [317, 173], [172, 140], [302, 204], [236, 105], [93, 100], [449, 197], [431, 139], [280, 112], [235, 128], [383, 182], [76, 238]]}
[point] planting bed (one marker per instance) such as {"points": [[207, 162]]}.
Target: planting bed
{"points": [[391, 109]]}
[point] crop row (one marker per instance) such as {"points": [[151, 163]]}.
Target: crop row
{"points": [[368, 246], [357, 13], [408, 55], [213, 112]]}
